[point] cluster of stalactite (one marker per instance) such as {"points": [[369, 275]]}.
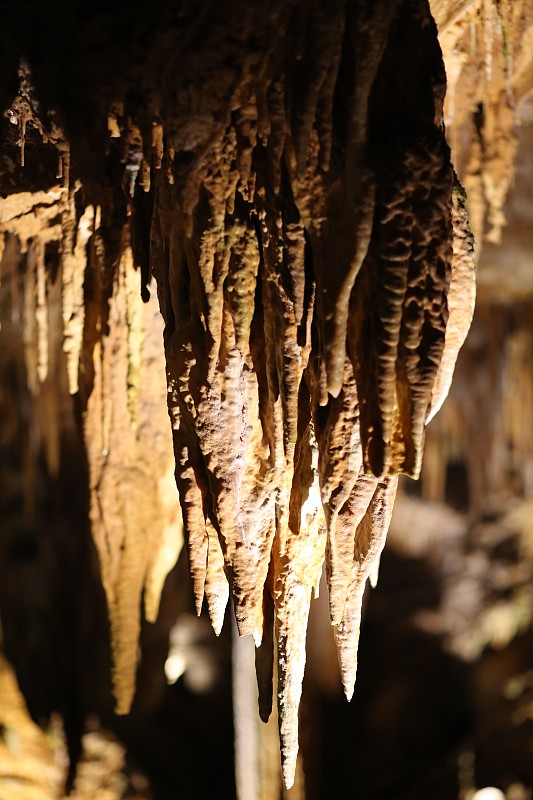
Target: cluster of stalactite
{"points": [[294, 199], [125, 423], [489, 65], [486, 429]]}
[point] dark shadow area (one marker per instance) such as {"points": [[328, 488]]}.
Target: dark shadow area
{"points": [[411, 710]]}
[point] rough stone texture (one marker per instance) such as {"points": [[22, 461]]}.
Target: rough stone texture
{"points": [[461, 299], [240, 224], [489, 64], [293, 197], [135, 520]]}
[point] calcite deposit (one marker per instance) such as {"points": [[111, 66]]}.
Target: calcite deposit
{"points": [[489, 63], [281, 170]]}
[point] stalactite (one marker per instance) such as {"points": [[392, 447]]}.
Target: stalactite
{"points": [[134, 324], [122, 378], [30, 324], [135, 521], [298, 555], [408, 273], [232, 262], [495, 371], [461, 299], [41, 313], [369, 542], [76, 234], [488, 44], [256, 324], [297, 211]]}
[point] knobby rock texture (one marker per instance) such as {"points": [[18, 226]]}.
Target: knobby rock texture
{"points": [[281, 170]]}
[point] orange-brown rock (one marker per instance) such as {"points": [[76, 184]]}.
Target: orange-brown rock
{"points": [[281, 170]]}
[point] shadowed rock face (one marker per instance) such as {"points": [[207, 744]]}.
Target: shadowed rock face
{"points": [[282, 172]]}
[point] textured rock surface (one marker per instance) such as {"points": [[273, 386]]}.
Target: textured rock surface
{"points": [[135, 520], [261, 285], [293, 197], [94, 419], [489, 64]]}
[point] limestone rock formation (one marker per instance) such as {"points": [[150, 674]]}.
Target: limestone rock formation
{"points": [[281, 170], [488, 56]]}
